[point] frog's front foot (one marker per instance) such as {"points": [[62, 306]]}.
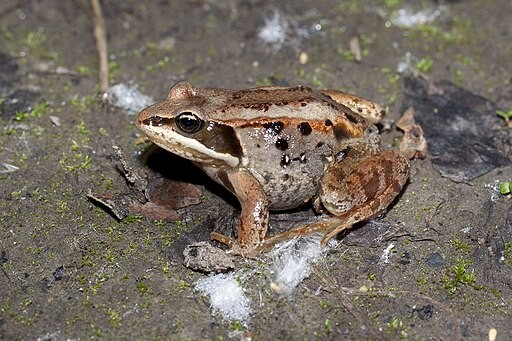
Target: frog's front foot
{"points": [[235, 248]]}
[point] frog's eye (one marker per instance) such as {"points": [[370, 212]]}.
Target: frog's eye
{"points": [[189, 122]]}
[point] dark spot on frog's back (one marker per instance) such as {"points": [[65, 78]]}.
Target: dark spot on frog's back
{"points": [[328, 123], [281, 144], [274, 127], [304, 128]]}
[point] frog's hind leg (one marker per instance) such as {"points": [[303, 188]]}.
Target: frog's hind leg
{"points": [[353, 191], [371, 186], [371, 111]]}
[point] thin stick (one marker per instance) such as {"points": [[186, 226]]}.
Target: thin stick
{"points": [[101, 45]]}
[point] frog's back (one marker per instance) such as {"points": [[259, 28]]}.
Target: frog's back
{"points": [[288, 135], [300, 102]]}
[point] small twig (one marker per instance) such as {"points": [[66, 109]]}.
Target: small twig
{"points": [[107, 203], [101, 45], [133, 178]]}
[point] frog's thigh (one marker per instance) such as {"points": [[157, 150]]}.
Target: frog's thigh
{"points": [[372, 182]]}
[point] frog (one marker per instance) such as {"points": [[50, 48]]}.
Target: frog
{"points": [[278, 148]]}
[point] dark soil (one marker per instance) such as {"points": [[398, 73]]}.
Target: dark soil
{"points": [[70, 270]]}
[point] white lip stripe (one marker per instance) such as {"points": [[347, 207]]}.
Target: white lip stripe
{"points": [[164, 138]]}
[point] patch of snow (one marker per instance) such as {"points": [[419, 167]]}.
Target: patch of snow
{"points": [[291, 264], [226, 296], [407, 18], [384, 258], [128, 98], [279, 30], [406, 63], [292, 261], [274, 30]]}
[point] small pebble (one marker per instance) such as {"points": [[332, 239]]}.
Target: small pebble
{"points": [[303, 58], [492, 334], [435, 260]]}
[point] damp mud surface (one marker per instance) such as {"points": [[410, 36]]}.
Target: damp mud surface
{"points": [[437, 265]]}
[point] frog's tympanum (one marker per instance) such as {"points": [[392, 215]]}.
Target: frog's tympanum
{"points": [[276, 148]]}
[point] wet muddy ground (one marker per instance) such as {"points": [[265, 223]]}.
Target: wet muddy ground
{"points": [[71, 270]]}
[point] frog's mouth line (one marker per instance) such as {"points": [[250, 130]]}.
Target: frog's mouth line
{"points": [[187, 147]]}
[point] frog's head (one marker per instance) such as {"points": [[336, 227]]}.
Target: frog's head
{"points": [[180, 125]]}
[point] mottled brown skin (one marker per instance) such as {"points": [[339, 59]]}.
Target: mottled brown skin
{"points": [[276, 148]]}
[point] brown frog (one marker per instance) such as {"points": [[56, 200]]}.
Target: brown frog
{"points": [[276, 148]]}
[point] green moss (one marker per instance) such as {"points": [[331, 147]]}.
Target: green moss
{"points": [[37, 112], [508, 250], [113, 70], [96, 331], [34, 40], [86, 261], [114, 317], [78, 160], [85, 70], [505, 187], [324, 304], [459, 275], [98, 283], [160, 223], [80, 127], [142, 287], [459, 77], [351, 6], [424, 65], [392, 4], [62, 206], [133, 219], [182, 285], [236, 326], [506, 115], [397, 328], [84, 103], [109, 256], [460, 246], [460, 32]]}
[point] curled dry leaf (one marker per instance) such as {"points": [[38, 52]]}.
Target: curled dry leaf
{"points": [[165, 197], [413, 144]]}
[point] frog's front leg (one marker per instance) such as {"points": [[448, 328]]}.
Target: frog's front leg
{"points": [[254, 217]]}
